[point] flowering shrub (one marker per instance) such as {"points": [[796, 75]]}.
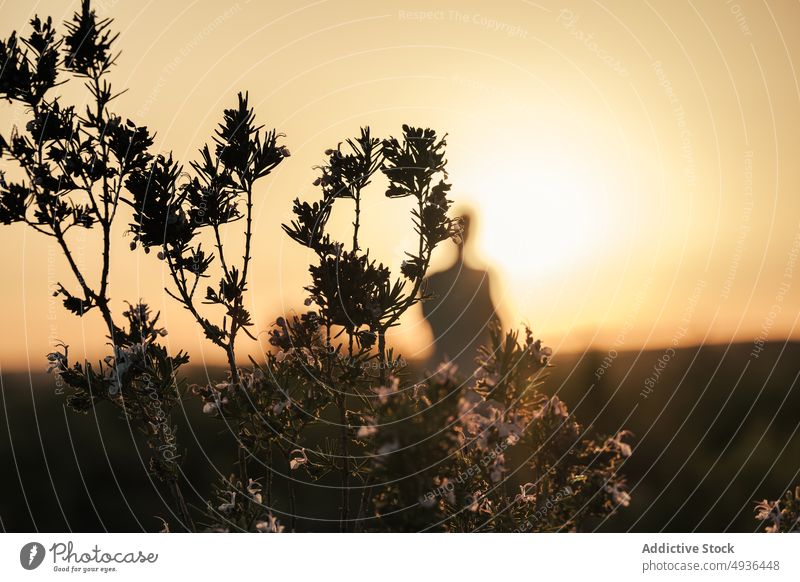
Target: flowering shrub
{"points": [[782, 515], [437, 453]]}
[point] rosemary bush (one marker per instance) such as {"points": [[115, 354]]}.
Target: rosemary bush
{"points": [[782, 515], [436, 452]]}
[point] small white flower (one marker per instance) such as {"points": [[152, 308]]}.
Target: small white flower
{"points": [[769, 511], [298, 461], [366, 431], [383, 392], [387, 448], [617, 443], [541, 354], [553, 407], [254, 490], [618, 495], [512, 430], [214, 408], [498, 468], [279, 407], [478, 503], [446, 372], [227, 507], [309, 356], [485, 378], [270, 525], [523, 496]]}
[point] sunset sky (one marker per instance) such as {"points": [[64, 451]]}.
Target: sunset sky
{"points": [[633, 166]]}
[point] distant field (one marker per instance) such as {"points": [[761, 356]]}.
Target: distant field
{"points": [[717, 431]]}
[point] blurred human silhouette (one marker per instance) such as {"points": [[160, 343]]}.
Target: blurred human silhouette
{"points": [[461, 308]]}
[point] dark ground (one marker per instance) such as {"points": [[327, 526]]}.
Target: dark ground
{"points": [[718, 431]]}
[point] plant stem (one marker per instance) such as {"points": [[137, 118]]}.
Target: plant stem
{"points": [[220, 252], [269, 475], [186, 299], [345, 477], [180, 502], [382, 352], [232, 363], [231, 348], [248, 232], [357, 222], [292, 499], [366, 495]]}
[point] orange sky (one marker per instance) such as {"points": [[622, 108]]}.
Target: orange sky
{"points": [[633, 165]]}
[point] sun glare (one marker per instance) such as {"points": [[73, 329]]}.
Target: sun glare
{"points": [[540, 217]]}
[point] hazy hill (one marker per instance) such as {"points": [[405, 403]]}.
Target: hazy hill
{"points": [[717, 431]]}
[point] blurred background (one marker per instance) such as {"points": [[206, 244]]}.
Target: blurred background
{"points": [[629, 170]]}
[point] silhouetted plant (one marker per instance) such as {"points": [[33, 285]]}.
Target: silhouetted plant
{"points": [[76, 167], [781, 516], [170, 214], [432, 453], [427, 455]]}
